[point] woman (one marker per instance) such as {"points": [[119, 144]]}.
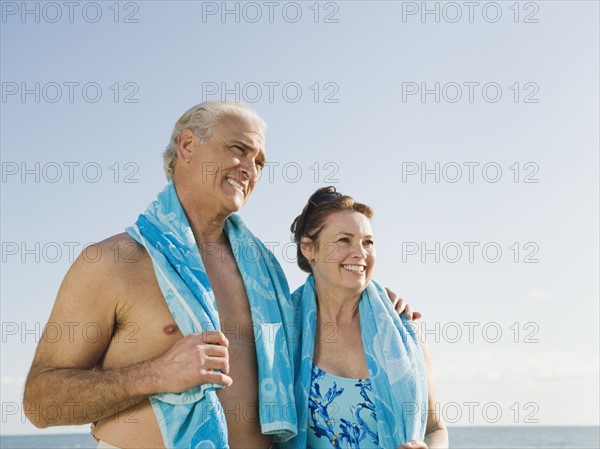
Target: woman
{"points": [[363, 379]]}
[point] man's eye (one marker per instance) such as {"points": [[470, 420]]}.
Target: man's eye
{"points": [[237, 149]]}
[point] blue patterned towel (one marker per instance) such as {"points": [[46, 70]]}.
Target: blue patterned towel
{"points": [[394, 358], [195, 418]]}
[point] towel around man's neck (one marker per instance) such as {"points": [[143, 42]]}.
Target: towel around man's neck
{"points": [[394, 358], [195, 418]]}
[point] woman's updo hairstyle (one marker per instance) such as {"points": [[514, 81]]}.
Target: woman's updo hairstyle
{"points": [[321, 204]]}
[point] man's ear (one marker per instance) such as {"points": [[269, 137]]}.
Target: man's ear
{"points": [[307, 246], [185, 143]]}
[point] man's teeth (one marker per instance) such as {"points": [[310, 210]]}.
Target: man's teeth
{"points": [[359, 268], [235, 184]]}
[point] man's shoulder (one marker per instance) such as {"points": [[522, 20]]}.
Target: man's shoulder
{"points": [[120, 247], [115, 257], [105, 271]]}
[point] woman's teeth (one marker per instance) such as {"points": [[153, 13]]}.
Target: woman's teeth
{"points": [[359, 268]]}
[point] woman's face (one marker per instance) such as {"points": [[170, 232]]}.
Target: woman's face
{"points": [[344, 257]]}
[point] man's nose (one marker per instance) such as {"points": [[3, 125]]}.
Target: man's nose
{"points": [[250, 170]]}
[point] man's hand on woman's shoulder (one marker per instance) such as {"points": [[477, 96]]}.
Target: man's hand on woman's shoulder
{"points": [[402, 306]]}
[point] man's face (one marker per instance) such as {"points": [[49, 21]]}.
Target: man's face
{"points": [[225, 169]]}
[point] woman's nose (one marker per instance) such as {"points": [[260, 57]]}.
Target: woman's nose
{"points": [[360, 250]]}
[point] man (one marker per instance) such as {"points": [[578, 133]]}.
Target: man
{"points": [[214, 159]]}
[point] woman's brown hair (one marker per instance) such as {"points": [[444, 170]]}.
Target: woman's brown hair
{"points": [[320, 205]]}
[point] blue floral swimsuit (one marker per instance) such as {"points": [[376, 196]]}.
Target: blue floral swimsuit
{"points": [[341, 413]]}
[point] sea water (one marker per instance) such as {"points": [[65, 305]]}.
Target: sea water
{"points": [[489, 437]]}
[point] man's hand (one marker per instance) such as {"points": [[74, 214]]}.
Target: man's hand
{"points": [[414, 444], [401, 306], [194, 360]]}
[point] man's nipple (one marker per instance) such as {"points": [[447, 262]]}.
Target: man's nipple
{"points": [[170, 329]]}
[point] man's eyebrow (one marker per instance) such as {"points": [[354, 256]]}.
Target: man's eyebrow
{"points": [[236, 143], [247, 148], [242, 144]]}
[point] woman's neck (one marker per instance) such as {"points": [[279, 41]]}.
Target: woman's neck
{"points": [[335, 306]]}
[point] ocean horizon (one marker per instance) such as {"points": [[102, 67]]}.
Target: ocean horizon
{"points": [[461, 437]]}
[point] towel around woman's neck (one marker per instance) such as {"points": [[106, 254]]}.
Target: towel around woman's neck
{"points": [[195, 418], [394, 358]]}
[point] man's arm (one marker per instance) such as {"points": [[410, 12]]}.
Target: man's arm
{"points": [[65, 386], [401, 306]]}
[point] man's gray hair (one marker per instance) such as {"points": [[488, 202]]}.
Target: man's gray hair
{"points": [[200, 119]]}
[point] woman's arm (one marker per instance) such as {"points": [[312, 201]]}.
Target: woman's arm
{"points": [[436, 433]]}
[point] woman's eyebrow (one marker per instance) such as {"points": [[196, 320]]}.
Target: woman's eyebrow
{"points": [[368, 236]]}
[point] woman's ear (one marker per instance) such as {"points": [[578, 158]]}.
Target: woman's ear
{"points": [[185, 143], [307, 246]]}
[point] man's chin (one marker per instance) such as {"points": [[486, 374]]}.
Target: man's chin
{"points": [[235, 204]]}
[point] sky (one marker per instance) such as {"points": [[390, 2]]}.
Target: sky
{"points": [[470, 128]]}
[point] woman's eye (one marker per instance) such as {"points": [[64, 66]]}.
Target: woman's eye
{"points": [[344, 240], [369, 243]]}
